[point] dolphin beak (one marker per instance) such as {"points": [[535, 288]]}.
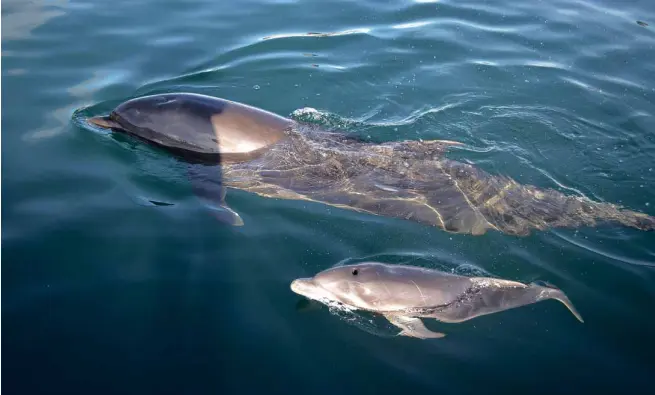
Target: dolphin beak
{"points": [[103, 122], [303, 286], [308, 288]]}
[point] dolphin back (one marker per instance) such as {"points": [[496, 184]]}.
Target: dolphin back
{"points": [[197, 125]]}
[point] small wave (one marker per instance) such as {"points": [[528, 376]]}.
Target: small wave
{"points": [[411, 25], [309, 113], [587, 87], [315, 34], [482, 27], [59, 116], [604, 10], [553, 179], [471, 270], [436, 260], [618, 81], [418, 114], [528, 63], [544, 64], [326, 119], [595, 250]]}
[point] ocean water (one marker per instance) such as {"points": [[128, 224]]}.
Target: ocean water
{"points": [[106, 293]]}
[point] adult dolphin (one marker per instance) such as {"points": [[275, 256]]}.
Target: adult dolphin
{"points": [[404, 294], [273, 156]]}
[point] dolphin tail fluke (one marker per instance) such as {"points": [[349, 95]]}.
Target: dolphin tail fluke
{"points": [[560, 296], [413, 327], [551, 292]]}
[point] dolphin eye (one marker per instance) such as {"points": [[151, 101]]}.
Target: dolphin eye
{"points": [[355, 272]]}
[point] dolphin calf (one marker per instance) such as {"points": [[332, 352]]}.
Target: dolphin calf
{"points": [[234, 145], [404, 294]]}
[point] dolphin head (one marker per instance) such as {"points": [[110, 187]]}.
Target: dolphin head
{"points": [[197, 123], [157, 112], [367, 285]]}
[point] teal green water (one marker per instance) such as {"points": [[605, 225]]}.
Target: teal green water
{"points": [[102, 293]]}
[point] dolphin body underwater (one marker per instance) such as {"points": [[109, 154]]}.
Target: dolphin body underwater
{"points": [[254, 150], [404, 294]]}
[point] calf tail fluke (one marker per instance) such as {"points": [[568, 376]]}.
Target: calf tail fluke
{"points": [[559, 295], [549, 291]]}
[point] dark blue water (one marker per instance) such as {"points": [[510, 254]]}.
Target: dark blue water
{"points": [[103, 292]]}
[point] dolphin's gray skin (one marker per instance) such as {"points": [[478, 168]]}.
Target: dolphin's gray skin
{"points": [[273, 156], [405, 294], [202, 130]]}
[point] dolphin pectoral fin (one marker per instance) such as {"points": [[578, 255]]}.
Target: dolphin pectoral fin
{"points": [[226, 215], [413, 327], [207, 184]]}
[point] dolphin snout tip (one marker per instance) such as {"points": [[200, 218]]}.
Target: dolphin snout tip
{"points": [[103, 122], [300, 284]]}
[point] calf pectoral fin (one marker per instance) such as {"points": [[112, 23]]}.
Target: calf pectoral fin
{"points": [[207, 184], [413, 327]]}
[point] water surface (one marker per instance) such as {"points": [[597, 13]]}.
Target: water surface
{"points": [[105, 293]]}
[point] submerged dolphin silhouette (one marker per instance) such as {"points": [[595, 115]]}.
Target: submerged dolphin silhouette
{"points": [[273, 156]]}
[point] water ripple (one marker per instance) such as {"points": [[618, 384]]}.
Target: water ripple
{"points": [[553, 93], [589, 247]]}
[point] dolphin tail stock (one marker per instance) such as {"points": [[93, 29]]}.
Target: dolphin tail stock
{"points": [[626, 217], [577, 210], [530, 207], [549, 291], [517, 209]]}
